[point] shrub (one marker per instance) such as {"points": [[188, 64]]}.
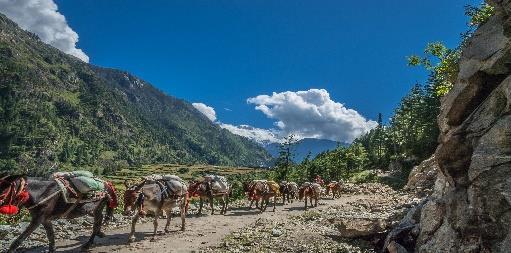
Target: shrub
{"points": [[364, 176]]}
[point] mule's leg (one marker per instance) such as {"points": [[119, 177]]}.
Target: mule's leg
{"points": [[51, 235], [183, 214], [226, 203], [264, 203], [96, 228], [131, 236], [211, 205], [34, 223], [169, 217], [316, 201], [305, 202], [201, 203], [222, 204], [274, 202], [155, 224]]}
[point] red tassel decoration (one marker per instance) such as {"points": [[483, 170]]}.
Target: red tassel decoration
{"points": [[9, 210]]}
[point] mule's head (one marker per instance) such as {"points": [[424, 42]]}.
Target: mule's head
{"points": [[251, 189], [301, 193], [246, 186], [130, 198], [283, 187], [193, 188]]}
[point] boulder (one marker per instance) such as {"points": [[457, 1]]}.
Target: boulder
{"points": [[422, 177], [351, 227], [404, 235]]}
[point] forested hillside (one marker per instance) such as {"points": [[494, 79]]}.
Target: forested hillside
{"points": [[56, 111]]}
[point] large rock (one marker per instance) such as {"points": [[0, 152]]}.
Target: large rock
{"points": [[350, 227], [470, 210], [422, 177]]}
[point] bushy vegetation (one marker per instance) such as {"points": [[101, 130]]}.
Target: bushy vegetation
{"points": [[57, 112]]}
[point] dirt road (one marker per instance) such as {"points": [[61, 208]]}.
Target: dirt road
{"points": [[201, 231]]}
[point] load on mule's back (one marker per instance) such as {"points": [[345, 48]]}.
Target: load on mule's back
{"points": [[156, 193], [209, 188], [66, 195]]}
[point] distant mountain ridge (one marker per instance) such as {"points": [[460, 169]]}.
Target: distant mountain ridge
{"points": [[305, 146], [56, 109]]}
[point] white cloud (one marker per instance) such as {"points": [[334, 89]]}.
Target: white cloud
{"points": [[306, 114], [42, 18], [259, 135], [312, 114], [208, 111]]}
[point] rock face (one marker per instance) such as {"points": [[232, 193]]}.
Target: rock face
{"points": [[470, 210], [422, 177]]}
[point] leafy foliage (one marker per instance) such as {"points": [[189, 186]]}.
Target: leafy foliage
{"points": [[57, 112], [442, 62], [479, 14]]}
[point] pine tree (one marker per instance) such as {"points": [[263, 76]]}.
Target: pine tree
{"points": [[285, 159]]}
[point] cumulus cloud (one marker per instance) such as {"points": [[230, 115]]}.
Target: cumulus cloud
{"points": [[208, 111], [259, 135], [305, 114], [42, 18], [312, 114]]}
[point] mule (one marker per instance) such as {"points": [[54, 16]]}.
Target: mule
{"points": [[310, 191], [46, 202], [210, 190], [335, 188], [156, 197], [247, 187], [289, 191], [264, 190]]}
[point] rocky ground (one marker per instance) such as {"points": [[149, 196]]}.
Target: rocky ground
{"points": [[358, 225], [356, 222]]}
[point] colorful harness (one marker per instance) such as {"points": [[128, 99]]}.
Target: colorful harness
{"points": [[13, 196]]}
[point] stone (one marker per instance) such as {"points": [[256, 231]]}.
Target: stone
{"points": [[395, 247], [423, 176], [276, 232], [360, 227]]}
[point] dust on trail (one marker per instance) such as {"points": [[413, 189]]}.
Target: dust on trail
{"points": [[201, 231]]}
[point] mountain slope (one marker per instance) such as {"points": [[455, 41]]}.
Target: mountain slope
{"points": [[55, 109]]}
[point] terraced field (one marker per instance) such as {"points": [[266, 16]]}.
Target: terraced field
{"points": [[186, 172]]}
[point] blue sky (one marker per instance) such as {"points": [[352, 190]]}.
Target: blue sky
{"points": [[221, 53]]}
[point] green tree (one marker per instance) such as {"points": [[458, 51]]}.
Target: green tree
{"points": [[284, 163]]}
